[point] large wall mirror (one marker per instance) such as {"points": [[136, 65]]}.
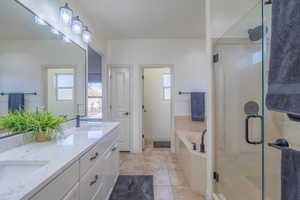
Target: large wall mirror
{"points": [[39, 68]]}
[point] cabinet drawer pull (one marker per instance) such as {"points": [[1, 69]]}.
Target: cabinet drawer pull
{"points": [[94, 157], [114, 149], [94, 181]]}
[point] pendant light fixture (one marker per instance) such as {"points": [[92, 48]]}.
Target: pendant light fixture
{"points": [[86, 35], [77, 25], [66, 15]]}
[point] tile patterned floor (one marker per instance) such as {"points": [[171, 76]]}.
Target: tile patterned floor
{"points": [[169, 180]]}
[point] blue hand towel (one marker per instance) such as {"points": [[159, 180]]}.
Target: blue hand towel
{"points": [[290, 174], [198, 106], [16, 101], [284, 75]]}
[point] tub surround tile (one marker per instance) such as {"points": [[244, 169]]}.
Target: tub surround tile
{"points": [[58, 154], [186, 123]]}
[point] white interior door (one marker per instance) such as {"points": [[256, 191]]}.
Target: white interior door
{"points": [[120, 103]]}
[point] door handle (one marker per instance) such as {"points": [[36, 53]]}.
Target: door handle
{"points": [[126, 113], [247, 128]]}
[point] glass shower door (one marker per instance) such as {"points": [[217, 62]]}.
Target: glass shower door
{"points": [[239, 92]]}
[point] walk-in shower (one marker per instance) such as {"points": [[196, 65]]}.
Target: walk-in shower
{"points": [[248, 169]]}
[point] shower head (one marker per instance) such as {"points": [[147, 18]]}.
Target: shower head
{"points": [[256, 33]]}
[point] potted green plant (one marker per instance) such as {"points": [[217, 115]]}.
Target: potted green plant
{"points": [[43, 126]]}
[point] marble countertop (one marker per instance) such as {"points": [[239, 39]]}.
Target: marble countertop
{"points": [[57, 155]]}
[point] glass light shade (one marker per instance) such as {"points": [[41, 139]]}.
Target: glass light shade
{"points": [[39, 21], [66, 15], [86, 35], [54, 31], [66, 40], [77, 25]]}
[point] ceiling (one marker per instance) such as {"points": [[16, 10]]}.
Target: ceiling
{"points": [[125, 19]]}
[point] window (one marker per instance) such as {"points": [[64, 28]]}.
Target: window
{"points": [[167, 86], [64, 87], [95, 100]]}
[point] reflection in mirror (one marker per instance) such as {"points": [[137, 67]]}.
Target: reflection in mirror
{"points": [[39, 69]]}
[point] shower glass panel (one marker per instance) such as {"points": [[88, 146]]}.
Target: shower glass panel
{"points": [[239, 107]]}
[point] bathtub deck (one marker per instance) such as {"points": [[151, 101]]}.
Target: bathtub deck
{"points": [[169, 180]]}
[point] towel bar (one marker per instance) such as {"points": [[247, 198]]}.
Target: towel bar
{"points": [[180, 93], [280, 144], [32, 93]]}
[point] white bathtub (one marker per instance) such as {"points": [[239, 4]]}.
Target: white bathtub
{"points": [[193, 162]]}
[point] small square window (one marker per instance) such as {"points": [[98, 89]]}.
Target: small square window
{"points": [[64, 87]]}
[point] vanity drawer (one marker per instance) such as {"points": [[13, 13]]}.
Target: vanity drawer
{"points": [[91, 157], [91, 182], [61, 185]]}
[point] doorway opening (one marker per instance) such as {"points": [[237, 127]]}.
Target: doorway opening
{"points": [[157, 106]]}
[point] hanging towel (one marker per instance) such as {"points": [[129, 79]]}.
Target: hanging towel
{"points": [[16, 101], [290, 174], [198, 106], [284, 75]]}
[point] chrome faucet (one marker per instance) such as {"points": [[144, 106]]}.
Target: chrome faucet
{"points": [[77, 121], [78, 116], [202, 145]]}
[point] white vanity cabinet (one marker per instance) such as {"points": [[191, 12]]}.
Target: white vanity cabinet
{"points": [[73, 194], [91, 177]]}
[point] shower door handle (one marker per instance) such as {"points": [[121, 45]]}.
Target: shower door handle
{"points": [[247, 128]]}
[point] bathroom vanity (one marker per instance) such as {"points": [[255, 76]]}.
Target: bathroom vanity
{"points": [[82, 165]]}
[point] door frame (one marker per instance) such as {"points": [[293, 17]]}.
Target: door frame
{"points": [[108, 106], [45, 69], [142, 67]]}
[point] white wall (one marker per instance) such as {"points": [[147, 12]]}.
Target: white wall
{"points": [[21, 68], [186, 55], [154, 101]]}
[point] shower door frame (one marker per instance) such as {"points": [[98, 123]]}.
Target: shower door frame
{"points": [[262, 113]]}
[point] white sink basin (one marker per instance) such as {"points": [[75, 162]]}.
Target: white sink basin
{"points": [[13, 171]]}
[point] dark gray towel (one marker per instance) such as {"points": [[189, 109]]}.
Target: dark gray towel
{"points": [[16, 101], [198, 106], [284, 76], [290, 174]]}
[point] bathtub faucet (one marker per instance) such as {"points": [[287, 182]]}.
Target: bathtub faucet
{"points": [[202, 145]]}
